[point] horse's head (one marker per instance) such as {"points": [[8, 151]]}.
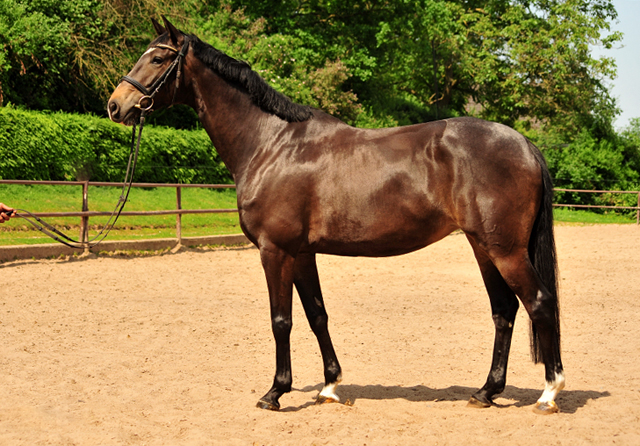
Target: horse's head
{"points": [[154, 80]]}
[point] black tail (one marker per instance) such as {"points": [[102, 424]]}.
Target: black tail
{"points": [[542, 250]]}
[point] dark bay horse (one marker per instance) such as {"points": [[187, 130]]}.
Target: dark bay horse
{"points": [[308, 183]]}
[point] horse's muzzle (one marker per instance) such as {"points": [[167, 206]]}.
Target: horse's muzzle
{"points": [[122, 114], [124, 104]]}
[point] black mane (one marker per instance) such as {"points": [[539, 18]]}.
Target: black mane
{"points": [[240, 75]]}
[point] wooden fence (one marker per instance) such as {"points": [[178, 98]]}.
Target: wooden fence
{"points": [[85, 214], [636, 208]]}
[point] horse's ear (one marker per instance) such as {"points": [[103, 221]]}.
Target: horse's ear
{"points": [[158, 27], [174, 33]]}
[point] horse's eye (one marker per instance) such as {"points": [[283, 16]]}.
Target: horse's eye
{"points": [[157, 60]]}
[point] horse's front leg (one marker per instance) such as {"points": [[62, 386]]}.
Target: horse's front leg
{"points": [[308, 285], [278, 268]]}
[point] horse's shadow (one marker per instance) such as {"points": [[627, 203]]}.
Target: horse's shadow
{"points": [[568, 400]]}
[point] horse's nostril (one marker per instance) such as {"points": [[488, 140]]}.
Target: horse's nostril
{"points": [[114, 110]]}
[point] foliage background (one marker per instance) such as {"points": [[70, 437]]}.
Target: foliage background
{"points": [[372, 63]]}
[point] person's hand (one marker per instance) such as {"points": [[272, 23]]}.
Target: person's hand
{"points": [[5, 212]]}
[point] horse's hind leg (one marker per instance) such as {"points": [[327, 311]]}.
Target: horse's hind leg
{"points": [[523, 279], [308, 285], [504, 306]]}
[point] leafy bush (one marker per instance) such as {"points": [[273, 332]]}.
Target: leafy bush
{"points": [[590, 163], [59, 146]]}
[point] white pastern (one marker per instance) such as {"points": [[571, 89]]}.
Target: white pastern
{"points": [[329, 391], [552, 389]]}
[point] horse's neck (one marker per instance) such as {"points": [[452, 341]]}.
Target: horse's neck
{"points": [[235, 125]]}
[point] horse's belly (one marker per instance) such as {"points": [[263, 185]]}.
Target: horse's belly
{"points": [[388, 236]]}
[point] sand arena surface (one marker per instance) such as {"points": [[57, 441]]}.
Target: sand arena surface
{"points": [[177, 349]]}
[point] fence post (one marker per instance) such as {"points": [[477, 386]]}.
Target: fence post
{"points": [[84, 226], [178, 215]]}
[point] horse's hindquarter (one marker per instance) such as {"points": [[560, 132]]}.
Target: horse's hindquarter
{"points": [[368, 192], [497, 185]]}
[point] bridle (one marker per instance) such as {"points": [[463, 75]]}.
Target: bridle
{"points": [[150, 92], [145, 104]]}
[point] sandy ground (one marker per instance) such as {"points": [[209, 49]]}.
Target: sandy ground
{"points": [[177, 349]]}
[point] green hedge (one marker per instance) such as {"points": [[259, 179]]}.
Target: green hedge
{"points": [[59, 146]]}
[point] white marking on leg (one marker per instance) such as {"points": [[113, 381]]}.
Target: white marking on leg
{"points": [[328, 392], [552, 389]]}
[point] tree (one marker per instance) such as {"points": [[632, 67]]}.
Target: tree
{"points": [[69, 54], [533, 63], [370, 62], [34, 47], [520, 62]]}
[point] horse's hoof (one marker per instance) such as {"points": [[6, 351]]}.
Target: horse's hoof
{"points": [[262, 404], [323, 399], [477, 404], [546, 408]]}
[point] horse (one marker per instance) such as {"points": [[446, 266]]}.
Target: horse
{"points": [[308, 183]]}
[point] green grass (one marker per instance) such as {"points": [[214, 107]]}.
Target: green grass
{"points": [[570, 215], [40, 198]]}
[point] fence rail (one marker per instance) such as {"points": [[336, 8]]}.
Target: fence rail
{"points": [[85, 214], [636, 208]]}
